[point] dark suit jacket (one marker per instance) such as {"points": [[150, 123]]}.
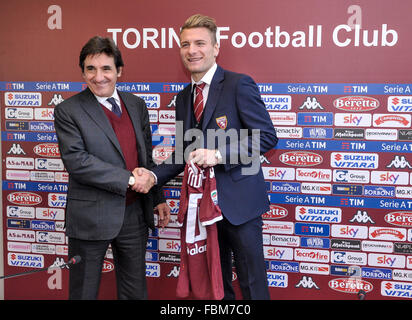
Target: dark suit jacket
{"points": [[98, 178], [233, 102]]}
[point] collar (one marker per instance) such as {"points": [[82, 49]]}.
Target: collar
{"points": [[115, 95], [207, 78]]}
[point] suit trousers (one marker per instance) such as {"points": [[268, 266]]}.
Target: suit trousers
{"points": [[129, 250], [245, 242]]}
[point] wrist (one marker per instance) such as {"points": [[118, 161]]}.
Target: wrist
{"points": [[218, 156], [154, 177], [132, 181]]}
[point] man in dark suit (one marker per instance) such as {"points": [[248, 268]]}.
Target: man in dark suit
{"points": [[234, 111], [103, 136]]}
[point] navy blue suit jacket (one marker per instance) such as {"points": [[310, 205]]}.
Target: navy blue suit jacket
{"points": [[233, 102]]}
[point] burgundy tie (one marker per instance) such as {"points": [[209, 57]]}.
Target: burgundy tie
{"points": [[198, 106]]}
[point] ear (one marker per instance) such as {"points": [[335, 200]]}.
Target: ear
{"points": [[119, 71], [216, 50]]}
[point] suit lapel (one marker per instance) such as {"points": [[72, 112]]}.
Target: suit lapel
{"points": [[213, 96], [136, 121], [92, 107], [188, 105]]}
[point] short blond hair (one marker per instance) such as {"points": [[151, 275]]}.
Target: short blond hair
{"points": [[201, 21]]}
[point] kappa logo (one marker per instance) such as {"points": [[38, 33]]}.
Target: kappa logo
{"points": [[399, 162], [57, 99], [172, 103], [307, 283], [361, 216], [59, 263], [311, 104], [16, 149], [263, 159], [174, 272]]}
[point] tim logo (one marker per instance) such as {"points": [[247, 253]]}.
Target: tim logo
{"points": [[321, 119]]}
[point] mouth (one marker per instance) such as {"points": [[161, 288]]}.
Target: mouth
{"points": [[194, 59], [101, 83]]}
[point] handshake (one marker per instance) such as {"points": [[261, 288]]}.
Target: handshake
{"points": [[144, 180]]}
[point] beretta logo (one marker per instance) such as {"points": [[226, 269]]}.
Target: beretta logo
{"points": [[350, 285], [24, 198], [107, 266], [400, 218], [301, 158], [356, 103], [47, 150], [275, 212]]}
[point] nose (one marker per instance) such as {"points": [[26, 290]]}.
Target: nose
{"points": [[99, 75], [191, 49]]}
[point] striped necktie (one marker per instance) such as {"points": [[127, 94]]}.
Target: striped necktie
{"points": [[198, 105], [115, 108]]}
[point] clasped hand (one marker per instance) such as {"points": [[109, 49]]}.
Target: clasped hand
{"points": [[144, 180], [204, 157]]}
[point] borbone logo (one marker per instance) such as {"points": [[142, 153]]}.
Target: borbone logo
{"points": [[43, 225], [379, 191], [376, 273]]}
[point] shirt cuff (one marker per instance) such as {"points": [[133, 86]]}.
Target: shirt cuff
{"points": [[154, 176]]}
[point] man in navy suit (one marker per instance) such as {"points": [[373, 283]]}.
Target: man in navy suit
{"points": [[233, 109]]}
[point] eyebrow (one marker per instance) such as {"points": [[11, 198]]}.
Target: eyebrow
{"points": [[194, 41], [91, 66]]}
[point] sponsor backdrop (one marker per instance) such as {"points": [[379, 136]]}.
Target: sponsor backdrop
{"points": [[335, 78]]}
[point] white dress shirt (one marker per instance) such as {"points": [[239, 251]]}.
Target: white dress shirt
{"points": [[207, 79], [103, 100]]}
